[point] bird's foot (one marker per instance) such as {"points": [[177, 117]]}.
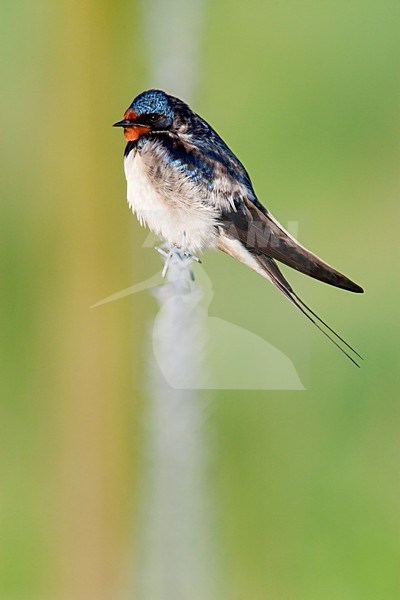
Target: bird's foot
{"points": [[173, 252]]}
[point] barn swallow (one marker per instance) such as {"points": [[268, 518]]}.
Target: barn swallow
{"points": [[190, 189]]}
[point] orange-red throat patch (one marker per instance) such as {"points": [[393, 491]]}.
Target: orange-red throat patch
{"points": [[134, 132]]}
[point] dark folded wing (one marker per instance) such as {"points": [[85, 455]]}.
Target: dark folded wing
{"points": [[259, 231]]}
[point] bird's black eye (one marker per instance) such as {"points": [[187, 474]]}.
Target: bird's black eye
{"points": [[156, 120]]}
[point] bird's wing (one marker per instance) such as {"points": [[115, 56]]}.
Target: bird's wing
{"points": [[263, 235], [250, 222]]}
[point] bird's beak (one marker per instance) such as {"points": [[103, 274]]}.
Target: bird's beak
{"points": [[123, 123], [127, 123]]}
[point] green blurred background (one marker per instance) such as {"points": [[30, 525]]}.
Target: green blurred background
{"points": [[306, 483]]}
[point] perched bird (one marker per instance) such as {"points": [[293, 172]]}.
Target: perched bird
{"points": [[190, 189]]}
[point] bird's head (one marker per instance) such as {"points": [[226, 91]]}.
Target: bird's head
{"points": [[153, 111]]}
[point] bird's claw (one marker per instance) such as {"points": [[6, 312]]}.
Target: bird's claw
{"points": [[161, 251], [191, 256]]}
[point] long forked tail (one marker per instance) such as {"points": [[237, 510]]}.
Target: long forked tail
{"points": [[273, 273], [266, 266]]}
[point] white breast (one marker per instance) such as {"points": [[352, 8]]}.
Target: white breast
{"points": [[172, 212]]}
